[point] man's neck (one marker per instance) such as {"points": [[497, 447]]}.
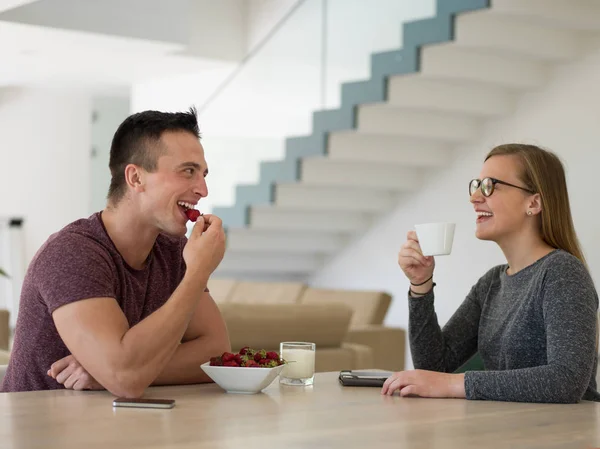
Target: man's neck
{"points": [[523, 250], [132, 237]]}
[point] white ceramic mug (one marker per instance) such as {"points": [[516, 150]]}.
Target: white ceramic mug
{"points": [[435, 238]]}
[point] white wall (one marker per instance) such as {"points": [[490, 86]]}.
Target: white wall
{"points": [[262, 16], [108, 113], [44, 161], [563, 117]]}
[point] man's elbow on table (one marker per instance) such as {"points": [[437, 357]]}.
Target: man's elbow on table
{"points": [[126, 384]]}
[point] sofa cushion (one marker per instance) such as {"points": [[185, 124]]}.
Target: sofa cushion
{"points": [[262, 326], [369, 307], [267, 292]]}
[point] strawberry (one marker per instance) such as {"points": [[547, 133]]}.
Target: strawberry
{"points": [[272, 355], [227, 357], [251, 364], [271, 363], [230, 363], [244, 350], [192, 214], [239, 359], [264, 361], [216, 361], [262, 354]]}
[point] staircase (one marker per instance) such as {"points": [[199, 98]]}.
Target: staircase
{"points": [[464, 67]]}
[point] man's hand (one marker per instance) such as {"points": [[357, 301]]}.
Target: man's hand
{"points": [[72, 375], [425, 384], [205, 248]]}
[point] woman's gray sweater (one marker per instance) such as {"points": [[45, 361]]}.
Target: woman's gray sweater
{"points": [[535, 331]]}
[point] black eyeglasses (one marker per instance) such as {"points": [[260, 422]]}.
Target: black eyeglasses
{"points": [[487, 186]]}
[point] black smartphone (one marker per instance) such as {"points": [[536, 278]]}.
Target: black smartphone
{"points": [[144, 403], [361, 378]]}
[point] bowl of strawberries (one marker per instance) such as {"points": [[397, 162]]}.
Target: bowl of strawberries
{"points": [[249, 371]]}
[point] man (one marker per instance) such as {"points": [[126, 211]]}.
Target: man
{"points": [[119, 300]]}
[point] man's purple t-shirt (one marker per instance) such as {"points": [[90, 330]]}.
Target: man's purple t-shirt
{"points": [[81, 262]]}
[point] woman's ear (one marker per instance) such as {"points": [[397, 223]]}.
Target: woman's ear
{"points": [[534, 205]]}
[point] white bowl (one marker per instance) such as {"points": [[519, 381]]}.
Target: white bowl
{"points": [[244, 380]]}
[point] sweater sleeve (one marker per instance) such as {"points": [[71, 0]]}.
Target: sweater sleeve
{"points": [[569, 309], [445, 350]]}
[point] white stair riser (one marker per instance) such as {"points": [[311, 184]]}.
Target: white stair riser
{"points": [[447, 128], [485, 30], [300, 242], [325, 221], [450, 62], [333, 199], [394, 150], [475, 99], [323, 171]]}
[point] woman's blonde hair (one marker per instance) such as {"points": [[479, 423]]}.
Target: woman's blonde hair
{"points": [[543, 172]]}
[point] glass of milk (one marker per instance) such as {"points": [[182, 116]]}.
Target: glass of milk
{"points": [[300, 363]]}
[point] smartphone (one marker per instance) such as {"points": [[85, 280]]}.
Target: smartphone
{"points": [[357, 378], [144, 403]]}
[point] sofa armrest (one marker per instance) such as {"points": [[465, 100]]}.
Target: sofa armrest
{"points": [[388, 344], [345, 357], [362, 355]]}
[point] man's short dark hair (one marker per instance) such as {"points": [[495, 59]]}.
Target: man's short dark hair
{"points": [[137, 141]]}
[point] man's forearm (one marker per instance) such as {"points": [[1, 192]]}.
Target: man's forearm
{"points": [[152, 343], [184, 366]]}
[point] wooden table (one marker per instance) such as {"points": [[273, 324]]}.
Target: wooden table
{"points": [[324, 415]]}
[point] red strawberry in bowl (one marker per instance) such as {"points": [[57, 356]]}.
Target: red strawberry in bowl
{"points": [[216, 361], [262, 354], [272, 355], [227, 357]]}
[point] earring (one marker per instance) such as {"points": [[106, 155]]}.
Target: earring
{"points": [[529, 213]]}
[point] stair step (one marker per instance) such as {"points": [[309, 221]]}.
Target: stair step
{"points": [[451, 128], [261, 262], [565, 14], [388, 149], [331, 172], [296, 242], [479, 100], [451, 62], [304, 196], [286, 219], [507, 35]]}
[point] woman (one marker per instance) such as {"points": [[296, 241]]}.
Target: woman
{"points": [[533, 320]]}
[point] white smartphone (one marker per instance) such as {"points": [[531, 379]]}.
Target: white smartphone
{"points": [[144, 403]]}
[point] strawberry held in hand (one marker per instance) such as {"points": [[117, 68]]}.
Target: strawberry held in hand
{"points": [[192, 214]]}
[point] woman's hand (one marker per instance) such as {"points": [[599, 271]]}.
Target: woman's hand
{"points": [[425, 384], [416, 267]]}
